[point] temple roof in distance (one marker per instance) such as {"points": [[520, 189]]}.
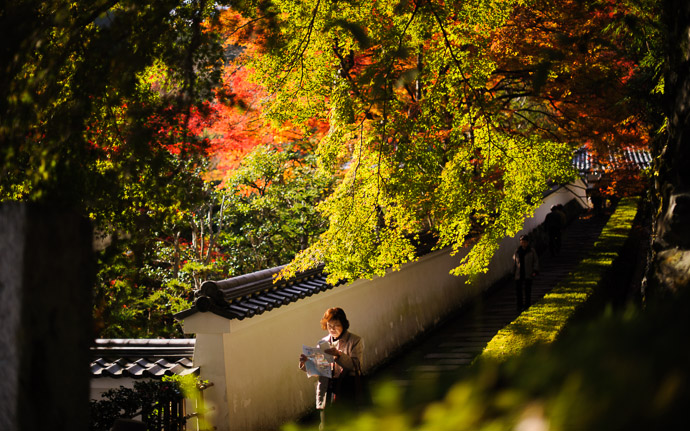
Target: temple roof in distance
{"points": [[585, 161]]}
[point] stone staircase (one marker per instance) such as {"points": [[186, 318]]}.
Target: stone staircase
{"points": [[425, 369]]}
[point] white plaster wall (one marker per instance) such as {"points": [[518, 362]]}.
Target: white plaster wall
{"points": [[263, 386]]}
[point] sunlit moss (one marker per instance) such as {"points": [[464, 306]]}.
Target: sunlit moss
{"points": [[543, 322]]}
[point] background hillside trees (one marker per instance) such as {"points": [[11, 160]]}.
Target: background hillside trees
{"points": [[96, 104], [262, 217], [117, 110], [272, 201]]}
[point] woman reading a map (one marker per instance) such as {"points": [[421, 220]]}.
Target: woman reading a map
{"points": [[337, 362]]}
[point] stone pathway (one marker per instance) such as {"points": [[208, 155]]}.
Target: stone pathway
{"points": [[428, 367]]}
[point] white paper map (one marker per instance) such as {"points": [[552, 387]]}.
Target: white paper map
{"points": [[318, 362]]}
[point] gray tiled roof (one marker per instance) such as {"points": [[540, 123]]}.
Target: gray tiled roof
{"points": [[584, 161], [142, 358], [255, 293]]}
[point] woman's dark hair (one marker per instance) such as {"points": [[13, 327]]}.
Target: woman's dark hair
{"points": [[337, 314]]}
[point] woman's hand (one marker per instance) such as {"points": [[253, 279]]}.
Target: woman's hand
{"points": [[333, 351], [302, 360]]}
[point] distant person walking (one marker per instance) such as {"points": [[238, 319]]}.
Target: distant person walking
{"points": [[554, 223], [564, 216], [525, 268]]}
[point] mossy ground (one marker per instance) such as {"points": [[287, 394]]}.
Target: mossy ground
{"points": [[542, 322]]}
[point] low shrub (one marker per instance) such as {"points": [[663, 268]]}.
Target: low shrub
{"points": [[147, 399]]}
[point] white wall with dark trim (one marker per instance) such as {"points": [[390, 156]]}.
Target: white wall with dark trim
{"points": [[253, 363]]}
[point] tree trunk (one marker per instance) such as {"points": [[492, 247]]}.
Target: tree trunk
{"points": [[669, 266]]}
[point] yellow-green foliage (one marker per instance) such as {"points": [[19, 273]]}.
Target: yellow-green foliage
{"points": [[544, 320], [420, 145]]}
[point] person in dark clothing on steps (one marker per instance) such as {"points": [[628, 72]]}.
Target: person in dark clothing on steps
{"points": [[554, 223], [525, 268]]}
